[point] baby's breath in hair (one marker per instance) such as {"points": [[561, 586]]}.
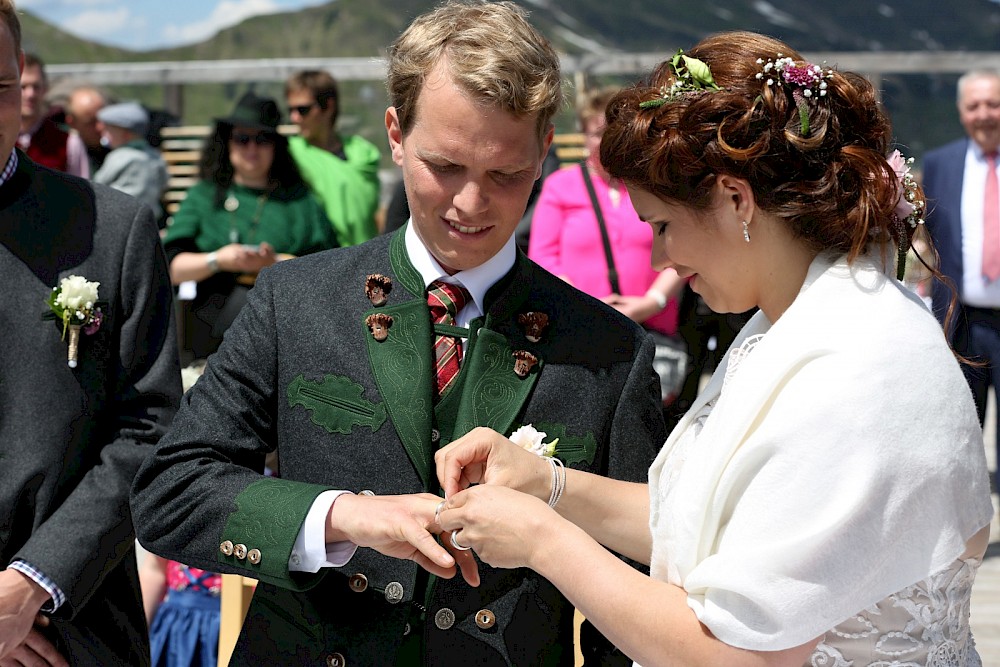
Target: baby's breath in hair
{"points": [[805, 80]]}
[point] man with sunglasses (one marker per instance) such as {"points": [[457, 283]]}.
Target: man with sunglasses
{"points": [[342, 170]]}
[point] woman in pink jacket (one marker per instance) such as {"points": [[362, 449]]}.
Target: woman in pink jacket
{"points": [[566, 237]]}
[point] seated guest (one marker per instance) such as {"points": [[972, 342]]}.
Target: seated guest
{"points": [[812, 507], [250, 209], [132, 166]]}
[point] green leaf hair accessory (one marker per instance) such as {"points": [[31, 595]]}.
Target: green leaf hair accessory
{"points": [[806, 81], [690, 76]]}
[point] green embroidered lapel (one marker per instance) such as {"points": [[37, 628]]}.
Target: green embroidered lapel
{"points": [[402, 363], [494, 394]]}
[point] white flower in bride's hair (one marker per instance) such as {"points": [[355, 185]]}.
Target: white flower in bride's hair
{"points": [[527, 437]]}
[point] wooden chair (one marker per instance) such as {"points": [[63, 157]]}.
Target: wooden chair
{"points": [[237, 591]]}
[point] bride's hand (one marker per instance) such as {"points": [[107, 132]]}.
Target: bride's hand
{"points": [[483, 456], [502, 526]]}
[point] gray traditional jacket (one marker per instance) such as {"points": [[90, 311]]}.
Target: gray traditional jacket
{"points": [[301, 371], [71, 439]]}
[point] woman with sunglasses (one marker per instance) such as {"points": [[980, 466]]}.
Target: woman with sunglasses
{"points": [[250, 209]]}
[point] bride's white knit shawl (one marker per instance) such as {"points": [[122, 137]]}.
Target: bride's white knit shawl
{"points": [[843, 462]]}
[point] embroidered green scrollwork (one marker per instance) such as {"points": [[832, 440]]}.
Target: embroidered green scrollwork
{"points": [[336, 403]]}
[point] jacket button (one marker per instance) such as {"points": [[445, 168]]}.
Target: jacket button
{"points": [[435, 436], [444, 618], [358, 583], [485, 619], [226, 548], [394, 592], [254, 556], [240, 551], [335, 660], [366, 492]]}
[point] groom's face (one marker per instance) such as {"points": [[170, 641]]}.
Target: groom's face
{"points": [[468, 170]]}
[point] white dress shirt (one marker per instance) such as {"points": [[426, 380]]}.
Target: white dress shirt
{"points": [[976, 290]]}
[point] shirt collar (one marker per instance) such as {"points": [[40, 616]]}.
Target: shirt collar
{"points": [[9, 168], [478, 280], [977, 151]]}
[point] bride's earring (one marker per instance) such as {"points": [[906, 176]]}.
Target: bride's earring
{"points": [[746, 231]]}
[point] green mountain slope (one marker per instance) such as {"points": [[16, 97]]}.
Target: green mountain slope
{"points": [[922, 106]]}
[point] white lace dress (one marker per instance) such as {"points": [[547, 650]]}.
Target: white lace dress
{"points": [[924, 625]]}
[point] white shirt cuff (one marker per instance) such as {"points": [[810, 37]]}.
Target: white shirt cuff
{"points": [[311, 552]]}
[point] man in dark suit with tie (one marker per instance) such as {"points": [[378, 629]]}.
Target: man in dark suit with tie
{"points": [[960, 181], [333, 364], [82, 400]]}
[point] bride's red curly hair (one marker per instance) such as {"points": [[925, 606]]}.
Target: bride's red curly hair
{"points": [[833, 187]]}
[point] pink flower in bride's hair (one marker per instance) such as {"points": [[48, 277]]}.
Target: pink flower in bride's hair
{"points": [[804, 76], [899, 166], [908, 207]]}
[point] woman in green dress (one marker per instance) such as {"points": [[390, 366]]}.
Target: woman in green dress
{"points": [[250, 209]]}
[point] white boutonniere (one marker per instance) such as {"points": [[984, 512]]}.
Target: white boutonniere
{"points": [[531, 439], [74, 303]]}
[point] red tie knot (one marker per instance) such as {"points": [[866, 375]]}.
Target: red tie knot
{"points": [[447, 298]]}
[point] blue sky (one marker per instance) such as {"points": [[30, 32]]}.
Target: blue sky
{"points": [[147, 24]]}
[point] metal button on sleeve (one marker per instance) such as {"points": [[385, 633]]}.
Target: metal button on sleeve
{"points": [[485, 619], [444, 618], [394, 592], [335, 660], [254, 556], [366, 492], [226, 548], [358, 582], [240, 551]]}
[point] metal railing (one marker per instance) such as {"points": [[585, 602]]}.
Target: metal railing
{"points": [[174, 75]]}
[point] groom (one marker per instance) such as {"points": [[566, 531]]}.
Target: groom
{"points": [[333, 364]]}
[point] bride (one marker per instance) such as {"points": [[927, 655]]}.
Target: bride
{"points": [[816, 505]]}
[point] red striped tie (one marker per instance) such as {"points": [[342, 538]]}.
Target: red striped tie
{"points": [[445, 300], [991, 221]]}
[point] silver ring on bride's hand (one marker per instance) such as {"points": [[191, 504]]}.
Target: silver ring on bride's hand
{"points": [[454, 542], [437, 512]]}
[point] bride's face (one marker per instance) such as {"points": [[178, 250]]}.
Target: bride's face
{"points": [[706, 247]]}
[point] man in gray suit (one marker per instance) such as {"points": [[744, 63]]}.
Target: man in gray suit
{"points": [[336, 364], [82, 400]]}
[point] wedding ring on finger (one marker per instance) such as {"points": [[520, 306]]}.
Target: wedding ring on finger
{"points": [[455, 543], [437, 512]]}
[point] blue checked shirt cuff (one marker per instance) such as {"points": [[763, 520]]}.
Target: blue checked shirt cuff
{"points": [[56, 596]]}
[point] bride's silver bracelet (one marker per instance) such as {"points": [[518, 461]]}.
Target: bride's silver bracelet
{"points": [[558, 480]]}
